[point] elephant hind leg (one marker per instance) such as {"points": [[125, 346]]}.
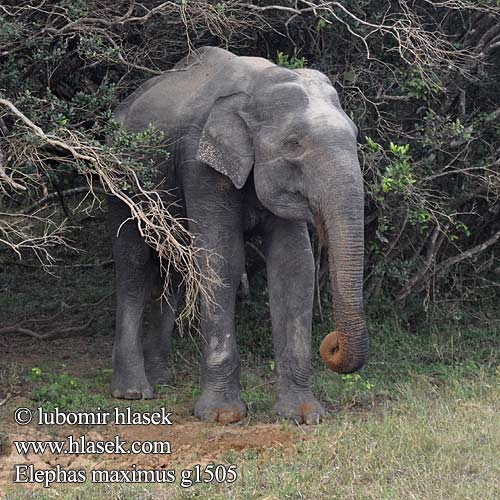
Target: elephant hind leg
{"points": [[132, 261], [158, 337]]}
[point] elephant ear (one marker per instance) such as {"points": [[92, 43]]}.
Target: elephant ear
{"points": [[225, 143]]}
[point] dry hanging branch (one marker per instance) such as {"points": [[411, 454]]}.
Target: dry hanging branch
{"points": [[418, 46], [165, 233]]}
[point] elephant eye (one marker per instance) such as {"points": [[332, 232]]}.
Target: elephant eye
{"points": [[292, 144], [292, 141]]}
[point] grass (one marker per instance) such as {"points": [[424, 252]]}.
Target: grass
{"points": [[421, 421], [433, 442]]}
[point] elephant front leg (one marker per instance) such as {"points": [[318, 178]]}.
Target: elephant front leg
{"points": [[290, 275], [214, 211], [220, 368]]}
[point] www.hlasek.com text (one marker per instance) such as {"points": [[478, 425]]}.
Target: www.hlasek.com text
{"points": [[81, 445]]}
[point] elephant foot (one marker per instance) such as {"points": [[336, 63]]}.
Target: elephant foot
{"points": [[221, 408], [302, 408], [156, 371], [138, 389]]}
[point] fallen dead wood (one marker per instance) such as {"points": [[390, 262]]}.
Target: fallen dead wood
{"points": [[26, 326]]}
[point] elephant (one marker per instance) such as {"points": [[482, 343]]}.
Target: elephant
{"points": [[254, 146]]}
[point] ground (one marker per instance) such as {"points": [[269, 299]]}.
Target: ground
{"points": [[421, 420]]}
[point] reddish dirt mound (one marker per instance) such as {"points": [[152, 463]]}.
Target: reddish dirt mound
{"points": [[196, 442], [191, 443]]}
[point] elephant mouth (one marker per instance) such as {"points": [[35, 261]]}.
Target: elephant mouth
{"points": [[320, 227], [287, 205]]}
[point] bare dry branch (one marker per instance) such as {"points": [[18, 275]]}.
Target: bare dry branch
{"points": [[165, 233], [445, 265]]}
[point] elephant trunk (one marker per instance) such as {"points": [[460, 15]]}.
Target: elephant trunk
{"points": [[341, 220]]}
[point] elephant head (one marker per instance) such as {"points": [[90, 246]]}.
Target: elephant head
{"points": [[288, 126]]}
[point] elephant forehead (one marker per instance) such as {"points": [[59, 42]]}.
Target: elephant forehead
{"points": [[283, 95], [321, 90], [330, 122]]}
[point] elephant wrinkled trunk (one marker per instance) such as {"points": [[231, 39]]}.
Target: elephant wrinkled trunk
{"points": [[341, 220]]}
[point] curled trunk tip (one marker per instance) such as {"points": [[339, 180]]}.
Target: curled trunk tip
{"points": [[335, 357]]}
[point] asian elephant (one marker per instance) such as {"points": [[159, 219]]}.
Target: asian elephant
{"points": [[254, 145]]}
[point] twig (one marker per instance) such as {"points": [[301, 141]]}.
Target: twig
{"points": [[68, 309], [6, 399], [256, 250], [19, 328], [43, 336], [431, 256], [470, 253], [160, 227], [90, 265], [66, 193], [269, 382], [11, 182]]}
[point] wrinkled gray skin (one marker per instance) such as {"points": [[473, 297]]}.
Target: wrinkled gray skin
{"points": [[255, 146]]}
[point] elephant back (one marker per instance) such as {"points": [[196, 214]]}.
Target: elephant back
{"points": [[162, 100]]}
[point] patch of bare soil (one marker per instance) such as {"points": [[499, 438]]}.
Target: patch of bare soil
{"points": [[191, 443]]}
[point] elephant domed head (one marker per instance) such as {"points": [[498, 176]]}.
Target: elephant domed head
{"points": [[288, 126]]}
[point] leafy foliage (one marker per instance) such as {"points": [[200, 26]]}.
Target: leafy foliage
{"points": [[289, 62], [419, 79], [63, 391]]}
